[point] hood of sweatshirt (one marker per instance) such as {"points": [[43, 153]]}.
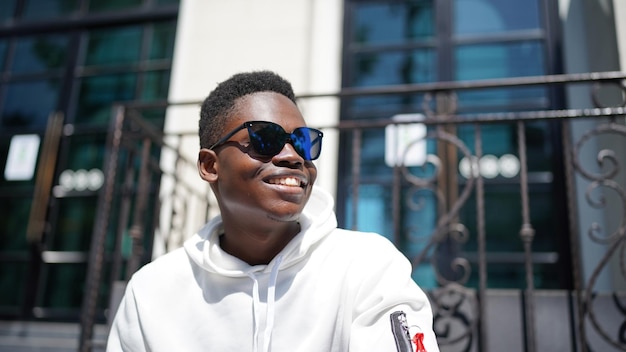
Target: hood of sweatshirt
{"points": [[316, 222]]}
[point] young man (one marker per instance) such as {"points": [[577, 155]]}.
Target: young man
{"points": [[272, 272]]}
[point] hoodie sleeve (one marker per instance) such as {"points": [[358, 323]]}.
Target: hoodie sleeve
{"points": [[126, 334], [385, 286]]}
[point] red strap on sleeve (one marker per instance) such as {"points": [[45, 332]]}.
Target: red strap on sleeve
{"points": [[418, 340]]}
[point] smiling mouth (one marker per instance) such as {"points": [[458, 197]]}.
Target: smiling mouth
{"points": [[287, 181]]}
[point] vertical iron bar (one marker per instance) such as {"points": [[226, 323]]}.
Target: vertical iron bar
{"points": [[356, 172], [527, 234], [125, 205], [572, 208], [96, 254], [396, 208], [38, 216], [141, 201], [45, 176], [482, 244]]}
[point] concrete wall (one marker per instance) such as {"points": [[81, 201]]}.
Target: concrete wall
{"points": [[298, 39]]}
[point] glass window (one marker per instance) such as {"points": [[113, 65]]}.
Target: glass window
{"points": [[417, 224], [86, 152], [97, 95], [488, 61], [162, 44], [64, 285], [382, 106], [114, 46], [385, 23], [503, 232], [503, 99], [113, 5], [16, 224], [21, 112], [43, 9], [36, 54], [378, 30], [75, 227], [494, 16], [12, 282], [167, 2], [3, 53], [388, 68], [111, 68], [155, 85], [7, 9]]}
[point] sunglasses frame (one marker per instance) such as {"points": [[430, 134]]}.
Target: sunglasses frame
{"points": [[289, 138]]}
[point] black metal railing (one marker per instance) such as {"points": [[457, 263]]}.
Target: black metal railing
{"points": [[467, 317]]}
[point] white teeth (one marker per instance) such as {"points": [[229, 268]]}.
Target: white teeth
{"points": [[285, 181]]}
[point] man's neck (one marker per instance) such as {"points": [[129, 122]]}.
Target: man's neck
{"points": [[257, 247]]}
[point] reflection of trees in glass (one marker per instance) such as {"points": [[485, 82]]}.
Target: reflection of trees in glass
{"points": [[41, 99], [50, 52], [419, 20], [39, 9], [162, 45], [86, 152], [15, 119], [155, 85], [111, 5], [7, 9], [114, 46], [74, 230], [98, 93], [12, 277], [64, 285], [393, 23], [39, 54], [385, 24]]}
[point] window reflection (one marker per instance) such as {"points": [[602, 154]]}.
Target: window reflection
{"points": [[162, 43], [396, 22], [396, 42], [44, 9], [493, 16], [97, 94], [155, 85], [74, 231], [114, 46], [86, 152], [3, 51], [7, 9], [115, 62], [21, 112], [388, 68], [63, 285], [12, 278], [499, 60], [37, 54], [112, 5], [167, 2]]}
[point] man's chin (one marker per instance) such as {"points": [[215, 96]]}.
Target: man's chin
{"points": [[287, 216]]}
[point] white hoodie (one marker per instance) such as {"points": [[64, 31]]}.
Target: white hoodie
{"points": [[328, 290]]}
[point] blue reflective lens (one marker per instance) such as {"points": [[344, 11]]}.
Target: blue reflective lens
{"points": [[268, 139]]}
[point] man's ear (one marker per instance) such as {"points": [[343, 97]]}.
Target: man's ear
{"points": [[207, 165]]}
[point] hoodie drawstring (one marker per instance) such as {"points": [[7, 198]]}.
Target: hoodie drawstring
{"points": [[270, 310], [255, 306]]}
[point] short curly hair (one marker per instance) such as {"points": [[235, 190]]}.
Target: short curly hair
{"points": [[221, 102]]}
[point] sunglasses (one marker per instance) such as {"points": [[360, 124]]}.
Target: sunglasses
{"points": [[268, 139]]}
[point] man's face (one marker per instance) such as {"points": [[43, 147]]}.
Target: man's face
{"points": [[262, 190]]}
